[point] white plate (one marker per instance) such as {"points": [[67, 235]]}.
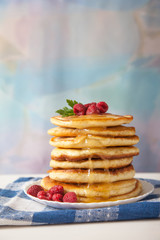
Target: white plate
{"points": [[147, 188]]}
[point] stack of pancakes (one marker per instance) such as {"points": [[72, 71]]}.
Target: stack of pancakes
{"points": [[93, 157]]}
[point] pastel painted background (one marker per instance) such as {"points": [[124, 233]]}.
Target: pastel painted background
{"points": [[86, 50]]}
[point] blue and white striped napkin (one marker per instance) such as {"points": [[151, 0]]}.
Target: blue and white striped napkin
{"points": [[16, 208]]}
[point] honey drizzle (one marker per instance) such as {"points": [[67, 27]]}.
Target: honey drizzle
{"points": [[91, 176], [90, 172]]}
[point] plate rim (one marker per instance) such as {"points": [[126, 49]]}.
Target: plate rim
{"points": [[66, 205]]}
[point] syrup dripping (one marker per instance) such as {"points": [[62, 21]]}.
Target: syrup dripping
{"points": [[90, 172]]}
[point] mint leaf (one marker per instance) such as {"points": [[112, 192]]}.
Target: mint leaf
{"points": [[65, 112], [71, 103], [60, 111]]}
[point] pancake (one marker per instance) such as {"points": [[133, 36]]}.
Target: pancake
{"points": [[90, 141], [103, 153], [104, 190], [134, 193], [92, 163], [94, 120], [92, 176], [117, 131]]}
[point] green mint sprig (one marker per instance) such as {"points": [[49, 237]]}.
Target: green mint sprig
{"points": [[65, 112]]}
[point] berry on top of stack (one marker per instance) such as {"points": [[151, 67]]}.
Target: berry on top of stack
{"points": [[94, 153]]}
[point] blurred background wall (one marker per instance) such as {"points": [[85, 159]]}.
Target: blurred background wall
{"points": [[85, 50]]}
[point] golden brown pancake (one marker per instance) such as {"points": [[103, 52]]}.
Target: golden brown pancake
{"points": [[134, 193], [92, 163], [103, 153], [104, 190], [116, 131], [94, 120], [93, 141], [92, 176]]}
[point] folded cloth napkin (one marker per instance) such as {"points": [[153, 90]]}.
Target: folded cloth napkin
{"points": [[16, 208]]}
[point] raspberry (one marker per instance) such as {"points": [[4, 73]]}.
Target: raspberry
{"points": [[44, 195], [102, 106], [79, 109], [34, 189], [70, 197], [92, 109], [49, 195], [56, 189], [57, 197], [88, 104]]}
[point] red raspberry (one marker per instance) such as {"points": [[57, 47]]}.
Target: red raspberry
{"points": [[88, 104], [34, 189], [102, 106], [79, 109], [49, 195], [92, 109], [44, 195], [56, 189], [70, 197], [57, 197]]}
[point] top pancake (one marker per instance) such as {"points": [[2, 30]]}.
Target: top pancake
{"points": [[94, 120]]}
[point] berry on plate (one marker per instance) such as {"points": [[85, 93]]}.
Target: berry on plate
{"points": [[57, 197], [44, 195], [56, 189], [70, 197], [34, 189]]}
